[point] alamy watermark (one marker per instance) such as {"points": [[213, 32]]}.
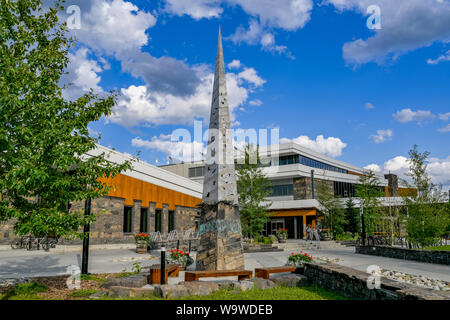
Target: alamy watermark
{"points": [[223, 145], [374, 280], [73, 282], [374, 21], [74, 19]]}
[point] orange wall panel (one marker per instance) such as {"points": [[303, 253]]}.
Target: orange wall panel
{"points": [[132, 189]]}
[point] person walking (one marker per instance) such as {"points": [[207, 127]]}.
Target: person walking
{"points": [[317, 235]]}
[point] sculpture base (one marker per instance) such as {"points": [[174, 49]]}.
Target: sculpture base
{"points": [[220, 245]]}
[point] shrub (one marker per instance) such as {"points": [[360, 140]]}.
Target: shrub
{"points": [[299, 259]]}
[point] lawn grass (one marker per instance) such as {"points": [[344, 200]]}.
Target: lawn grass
{"points": [[81, 293], [440, 248], [278, 293], [25, 291]]}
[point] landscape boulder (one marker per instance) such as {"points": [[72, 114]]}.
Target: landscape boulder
{"points": [[290, 280], [171, 291], [134, 281]]}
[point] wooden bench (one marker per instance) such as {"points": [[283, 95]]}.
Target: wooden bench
{"points": [[265, 272], [196, 275], [172, 270]]}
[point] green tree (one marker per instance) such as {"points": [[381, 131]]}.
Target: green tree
{"points": [[428, 209], [331, 208], [43, 136], [253, 188], [352, 219], [368, 191]]}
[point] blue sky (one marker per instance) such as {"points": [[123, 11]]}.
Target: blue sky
{"points": [[313, 69]]}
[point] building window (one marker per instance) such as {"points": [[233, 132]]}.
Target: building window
{"points": [[344, 189], [196, 172], [171, 220], [127, 219], [281, 190], [285, 160], [144, 220], [158, 214], [320, 165]]}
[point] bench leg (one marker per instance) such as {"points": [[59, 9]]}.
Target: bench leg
{"points": [[189, 277], [244, 277]]}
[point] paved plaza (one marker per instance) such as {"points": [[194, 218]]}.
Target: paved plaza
{"points": [[20, 263]]}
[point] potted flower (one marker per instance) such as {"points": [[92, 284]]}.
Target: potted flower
{"points": [[299, 259], [325, 234], [181, 258], [143, 242], [282, 235]]}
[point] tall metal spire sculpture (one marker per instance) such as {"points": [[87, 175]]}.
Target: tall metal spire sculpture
{"points": [[220, 245]]}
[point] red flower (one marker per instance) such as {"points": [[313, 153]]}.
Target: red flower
{"points": [[310, 258], [306, 254]]}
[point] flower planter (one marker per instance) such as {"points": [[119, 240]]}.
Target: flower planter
{"points": [[282, 240], [141, 249]]}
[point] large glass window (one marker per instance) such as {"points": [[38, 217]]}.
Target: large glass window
{"points": [[127, 219], [282, 190], [144, 220], [344, 189], [158, 215], [196, 172], [285, 160], [171, 220], [320, 165]]}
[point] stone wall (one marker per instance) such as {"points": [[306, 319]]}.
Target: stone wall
{"points": [[108, 227], [352, 283], [220, 245], [429, 256], [303, 187]]}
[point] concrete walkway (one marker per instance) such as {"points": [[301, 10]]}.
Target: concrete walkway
{"points": [[21, 263], [350, 259]]}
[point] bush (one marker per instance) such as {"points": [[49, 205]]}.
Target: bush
{"points": [[263, 240], [299, 259]]}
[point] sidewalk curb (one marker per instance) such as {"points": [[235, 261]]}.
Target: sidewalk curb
{"points": [[78, 248]]}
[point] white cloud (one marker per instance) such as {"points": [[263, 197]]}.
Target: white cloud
{"points": [[373, 167], [186, 151], [442, 58], [235, 64], [369, 106], [255, 103], [139, 106], [438, 169], [284, 14], [382, 136], [406, 25], [82, 75], [113, 26], [444, 116], [197, 9], [329, 146], [396, 164], [445, 129], [407, 115], [251, 76]]}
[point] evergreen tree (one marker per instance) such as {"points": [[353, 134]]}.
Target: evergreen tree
{"points": [[43, 137], [352, 219], [253, 188]]}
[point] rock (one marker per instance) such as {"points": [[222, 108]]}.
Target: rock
{"points": [[246, 285], [119, 292], [99, 294], [263, 284], [171, 291], [200, 288], [134, 281], [290, 280], [227, 284]]}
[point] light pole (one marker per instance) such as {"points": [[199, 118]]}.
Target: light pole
{"points": [[85, 255], [163, 265], [363, 227]]}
